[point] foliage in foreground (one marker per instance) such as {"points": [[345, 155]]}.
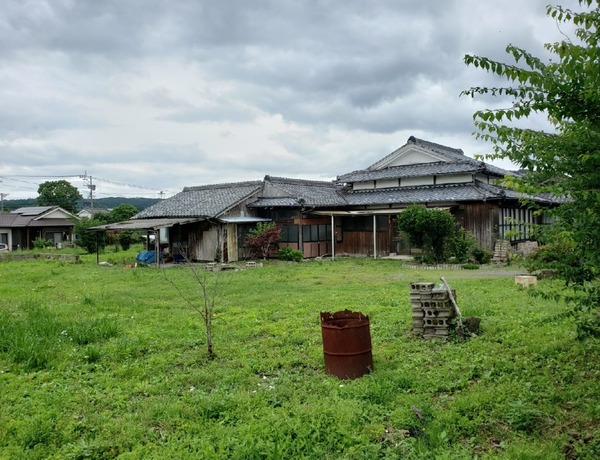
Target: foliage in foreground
{"points": [[524, 388], [564, 162]]}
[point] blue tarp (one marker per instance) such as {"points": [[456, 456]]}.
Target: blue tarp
{"points": [[146, 257]]}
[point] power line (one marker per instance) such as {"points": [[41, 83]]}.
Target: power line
{"points": [[87, 183]]}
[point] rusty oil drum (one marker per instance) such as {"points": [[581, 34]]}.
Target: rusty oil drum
{"points": [[346, 344]]}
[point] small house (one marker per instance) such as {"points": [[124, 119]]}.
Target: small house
{"points": [[22, 226]]}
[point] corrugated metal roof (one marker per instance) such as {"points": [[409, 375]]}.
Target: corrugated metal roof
{"points": [[146, 224]]}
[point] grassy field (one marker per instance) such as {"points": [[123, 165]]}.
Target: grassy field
{"points": [[109, 362]]}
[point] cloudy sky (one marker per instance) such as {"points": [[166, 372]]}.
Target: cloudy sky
{"points": [[149, 95]]}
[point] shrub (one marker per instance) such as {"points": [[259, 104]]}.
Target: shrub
{"points": [[290, 254], [462, 245], [470, 266], [427, 229], [262, 239], [481, 255], [125, 239], [40, 243], [91, 241]]}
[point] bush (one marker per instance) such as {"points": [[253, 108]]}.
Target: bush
{"points": [[470, 266], [427, 229], [292, 255], [91, 241], [125, 239], [263, 239], [462, 245], [481, 255], [40, 243]]}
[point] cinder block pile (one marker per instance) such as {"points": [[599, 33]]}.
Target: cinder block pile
{"points": [[431, 310]]}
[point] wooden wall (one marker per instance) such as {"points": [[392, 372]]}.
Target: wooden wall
{"points": [[481, 219], [360, 243]]}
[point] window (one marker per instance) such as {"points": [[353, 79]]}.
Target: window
{"points": [[316, 232], [289, 234]]}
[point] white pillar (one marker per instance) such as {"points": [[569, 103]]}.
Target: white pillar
{"points": [[332, 237], [374, 236]]}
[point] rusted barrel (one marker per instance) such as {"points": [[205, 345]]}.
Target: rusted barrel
{"points": [[346, 344]]}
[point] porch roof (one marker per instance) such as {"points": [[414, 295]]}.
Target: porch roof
{"points": [[146, 224]]}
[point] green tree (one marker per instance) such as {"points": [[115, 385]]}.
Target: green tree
{"points": [[59, 193], [428, 230], [90, 240], [564, 160], [122, 212]]}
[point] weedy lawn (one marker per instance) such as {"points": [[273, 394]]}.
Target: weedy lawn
{"points": [[109, 362]]}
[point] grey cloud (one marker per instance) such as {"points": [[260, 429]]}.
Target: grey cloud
{"points": [[380, 68]]}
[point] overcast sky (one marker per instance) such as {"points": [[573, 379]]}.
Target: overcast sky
{"points": [[165, 94]]}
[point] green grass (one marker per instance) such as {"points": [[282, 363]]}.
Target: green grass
{"points": [[108, 362]]}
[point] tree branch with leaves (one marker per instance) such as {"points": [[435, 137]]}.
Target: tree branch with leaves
{"points": [[563, 161]]}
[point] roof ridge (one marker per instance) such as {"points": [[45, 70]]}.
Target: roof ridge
{"points": [[299, 181], [222, 185], [416, 140], [413, 187]]}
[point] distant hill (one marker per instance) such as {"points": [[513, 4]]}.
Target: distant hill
{"points": [[100, 203]]}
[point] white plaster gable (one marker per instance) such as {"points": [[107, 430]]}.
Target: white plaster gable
{"points": [[416, 152], [411, 155], [57, 213]]}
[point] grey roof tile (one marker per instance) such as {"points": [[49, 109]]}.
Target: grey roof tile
{"points": [[202, 201], [476, 191], [415, 170], [313, 193], [449, 153]]}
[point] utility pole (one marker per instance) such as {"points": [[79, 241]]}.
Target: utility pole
{"points": [[2, 196], [90, 185]]}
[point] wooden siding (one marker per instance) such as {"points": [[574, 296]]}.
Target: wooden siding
{"points": [[203, 241], [360, 243], [481, 219]]}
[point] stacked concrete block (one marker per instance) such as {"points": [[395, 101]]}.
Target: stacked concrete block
{"points": [[418, 293], [431, 310]]}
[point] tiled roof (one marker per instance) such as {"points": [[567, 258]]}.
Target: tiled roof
{"points": [[476, 191], [6, 220], [449, 153], [202, 201], [422, 169], [51, 223], [14, 220], [281, 202], [299, 192]]}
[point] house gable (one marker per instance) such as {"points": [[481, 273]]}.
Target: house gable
{"points": [[410, 155], [418, 151], [55, 213]]}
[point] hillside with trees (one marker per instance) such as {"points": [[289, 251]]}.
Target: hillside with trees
{"points": [[100, 203]]}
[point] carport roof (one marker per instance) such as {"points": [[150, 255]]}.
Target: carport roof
{"points": [[147, 224]]}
